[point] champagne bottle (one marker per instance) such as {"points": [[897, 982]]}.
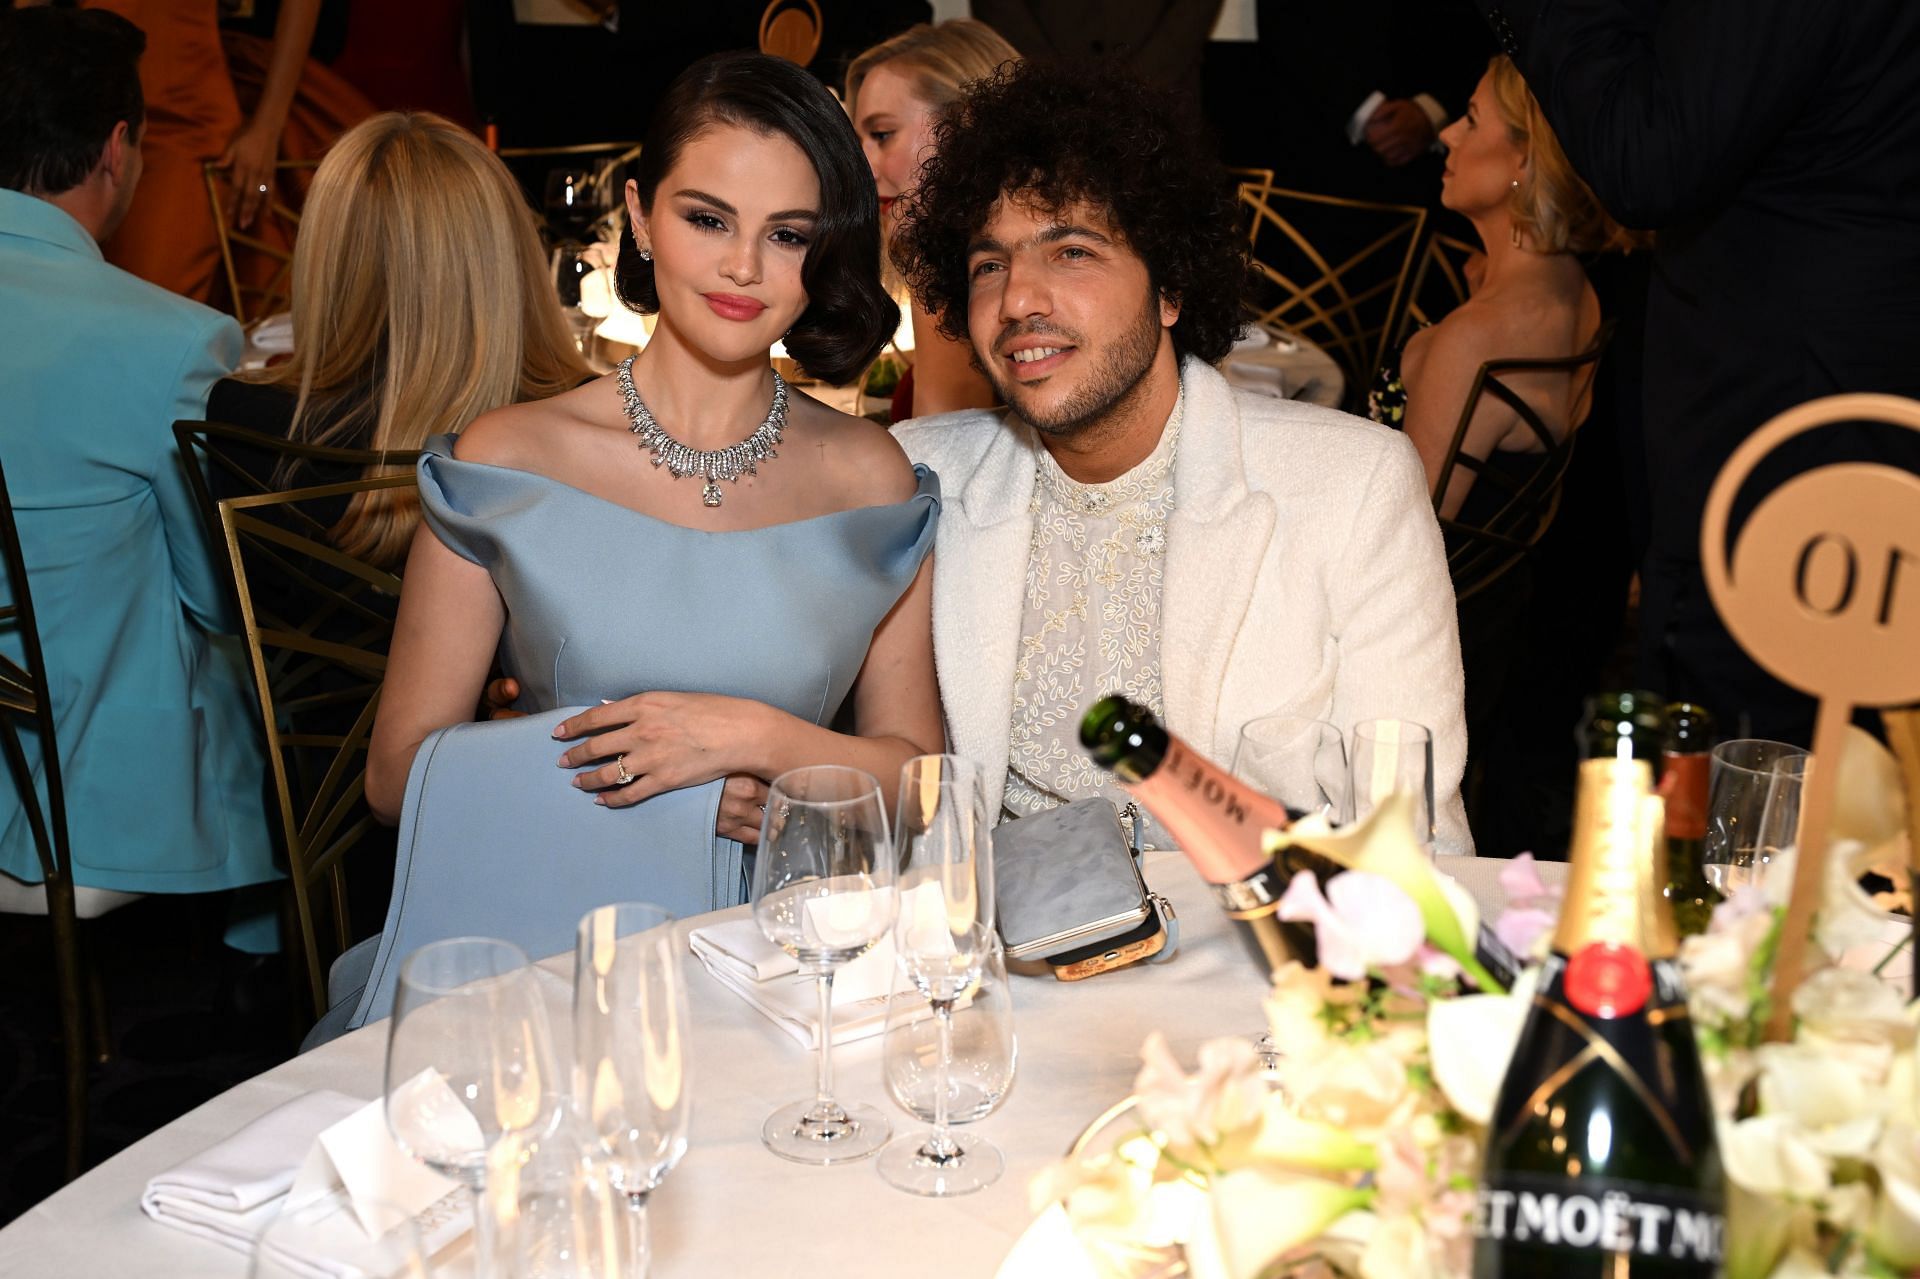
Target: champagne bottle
{"points": [[1217, 820], [1601, 1158], [1683, 785]]}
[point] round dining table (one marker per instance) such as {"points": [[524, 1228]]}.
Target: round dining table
{"points": [[731, 1208]]}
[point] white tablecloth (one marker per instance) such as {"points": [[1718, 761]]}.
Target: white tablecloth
{"points": [[731, 1208], [1285, 366]]}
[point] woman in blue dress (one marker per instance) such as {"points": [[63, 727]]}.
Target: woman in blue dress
{"points": [[641, 547]]}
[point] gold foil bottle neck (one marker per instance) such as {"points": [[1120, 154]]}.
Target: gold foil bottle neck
{"points": [[1618, 860]]}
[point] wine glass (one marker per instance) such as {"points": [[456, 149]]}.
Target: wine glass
{"points": [[630, 1051], [1393, 755], [1300, 762], [1779, 827], [575, 200], [1740, 785], [983, 1056], [823, 892], [571, 266], [301, 1241], [941, 940], [558, 1211], [469, 1060]]}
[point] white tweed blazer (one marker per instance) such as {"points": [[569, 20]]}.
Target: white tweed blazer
{"points": [[1304, 576]]}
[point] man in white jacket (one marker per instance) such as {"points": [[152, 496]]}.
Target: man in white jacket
{"points": [[1131, 523]]}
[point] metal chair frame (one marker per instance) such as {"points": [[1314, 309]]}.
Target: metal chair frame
{"points": [[318, 798], [1482, 554], [24, 696], [1351, 318]]}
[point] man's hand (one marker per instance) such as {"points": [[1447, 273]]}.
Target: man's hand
{"points": [[498, 697], [1399, 131], [743, 803]]}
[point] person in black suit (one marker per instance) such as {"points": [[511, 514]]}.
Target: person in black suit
{"points": [[1773, 145]]}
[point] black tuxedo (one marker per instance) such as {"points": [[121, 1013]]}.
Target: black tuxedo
{"points": [[1775, 146]]}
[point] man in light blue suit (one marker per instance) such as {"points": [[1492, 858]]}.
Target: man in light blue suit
{"points": [[153, 707]]}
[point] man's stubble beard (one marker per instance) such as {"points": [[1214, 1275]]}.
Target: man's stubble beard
{"points": [[1118, 379]]}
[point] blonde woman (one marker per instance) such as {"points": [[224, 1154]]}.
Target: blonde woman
{"points": [[895, 91], [1507, 175], [420, 301]]}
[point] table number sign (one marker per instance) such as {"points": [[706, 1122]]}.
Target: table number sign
{"points": [[1823, 590]]}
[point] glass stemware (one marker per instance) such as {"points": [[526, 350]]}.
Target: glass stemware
{"points": [[1300, 762], [984, 1053], [941, 940], [558, 1211], [469, 1060], [1746, 779], [823, 891], [1393, 755], [631, 1054]]}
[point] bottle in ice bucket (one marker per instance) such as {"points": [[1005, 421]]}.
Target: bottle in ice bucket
{"points": [[1601, 1159]]}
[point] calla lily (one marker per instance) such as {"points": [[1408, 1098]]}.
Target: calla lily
{"points": [[1895, 1234], [1827, 1102], [1470, 1040], [1768, 1170], [1287, 1140], [1259, 1214], [1384, 844]]}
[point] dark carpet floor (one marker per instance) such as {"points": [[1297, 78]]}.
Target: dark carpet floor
{"points": [[188, 1018]]}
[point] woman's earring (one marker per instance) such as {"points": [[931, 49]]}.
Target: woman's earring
{"points": [[1515, 184], [646, 255]]}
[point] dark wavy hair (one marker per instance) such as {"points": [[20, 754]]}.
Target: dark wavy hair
{"points": [[66, 79], [849, 316], [1060, 134]]}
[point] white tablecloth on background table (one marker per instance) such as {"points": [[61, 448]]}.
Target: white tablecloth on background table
{"points": [[1285, 366], [732, 1208]]}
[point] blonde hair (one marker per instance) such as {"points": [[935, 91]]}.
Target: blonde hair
{"points": [[420, 301], [1551, 204], [941, 59]]}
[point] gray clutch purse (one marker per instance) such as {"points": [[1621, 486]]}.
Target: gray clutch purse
{"points": [[1066, 879]]}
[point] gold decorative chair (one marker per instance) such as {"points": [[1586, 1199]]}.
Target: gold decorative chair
{"points": [[26, 702], [259, 261], [247, 463], [791, 29], [317, 623], [1479, 554], [1330, 269]]}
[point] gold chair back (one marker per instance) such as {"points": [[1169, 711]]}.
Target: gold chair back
{"points": [[1479, 554], [248, 462], [259, 261], [791, 29], [26, 701], [317, 623], [1331, 269]]}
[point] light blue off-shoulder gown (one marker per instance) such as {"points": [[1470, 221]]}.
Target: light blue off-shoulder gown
{"points": [[604, 602]]}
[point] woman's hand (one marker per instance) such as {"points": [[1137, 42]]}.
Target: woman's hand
{"points": [[662, 742], [743, 804], [248, 160]]}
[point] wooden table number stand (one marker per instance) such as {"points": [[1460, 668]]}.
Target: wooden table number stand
{"points": [[1823, 590]]}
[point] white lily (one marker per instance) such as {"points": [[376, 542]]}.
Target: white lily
{"points": [[1831, 1109], [1471, 1039], [1290, 1141], [1384, 844], [1895, 1234], [1260, 1214]]}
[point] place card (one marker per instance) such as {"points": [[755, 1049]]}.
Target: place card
{"points": [[359, 1158]]}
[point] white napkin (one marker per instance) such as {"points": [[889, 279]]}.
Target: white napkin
{"points": [[1261, 379], [231, 1191], [274, 335], [740, 958], [325, 1240]]}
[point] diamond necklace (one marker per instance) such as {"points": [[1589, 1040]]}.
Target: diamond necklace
{"points": [[729, 463]]}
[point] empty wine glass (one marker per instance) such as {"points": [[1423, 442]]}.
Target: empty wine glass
{"points": [[1300, 762], [575, 200], [1741, 785], [823, 891], [983, 1054], [630, 1051], [468, 1061], [1393, 755], [942, 939], [571, 266]]}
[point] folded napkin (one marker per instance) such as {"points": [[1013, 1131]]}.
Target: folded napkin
{"points": [[274, 334], [231, 1191], [739, 957], [325, 1240]]}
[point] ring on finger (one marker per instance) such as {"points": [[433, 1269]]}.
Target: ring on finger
{"points": [[622, 776]]}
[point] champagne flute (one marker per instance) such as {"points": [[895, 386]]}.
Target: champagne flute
{"points": [[631, 1058], [1393, 755], [1300, 762], [823, 892], [1741, 783], [942, 939], [469, 1061]]}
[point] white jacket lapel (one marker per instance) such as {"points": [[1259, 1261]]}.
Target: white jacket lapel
{"points": [[979, 579], [1216, 543]]}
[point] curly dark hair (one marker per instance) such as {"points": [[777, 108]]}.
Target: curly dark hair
{"points": [[849, 316], [1060, 134]]}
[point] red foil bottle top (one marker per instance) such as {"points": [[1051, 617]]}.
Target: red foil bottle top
{"points": [[1607, 981]]}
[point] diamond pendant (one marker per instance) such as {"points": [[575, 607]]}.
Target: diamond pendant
{"points": [[710, 495]]}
